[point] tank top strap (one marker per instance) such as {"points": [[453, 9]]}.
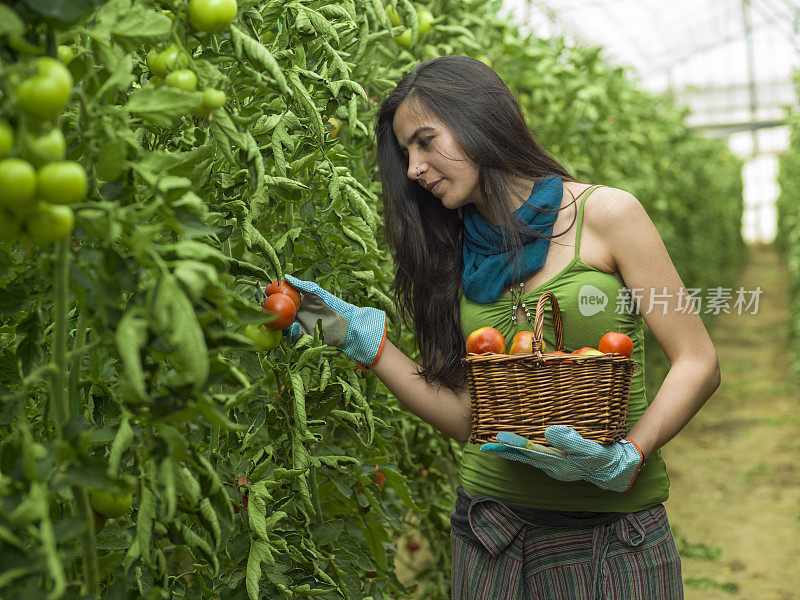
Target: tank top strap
{"points": [[580, 218]]}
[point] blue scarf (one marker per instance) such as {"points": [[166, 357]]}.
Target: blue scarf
{"points": [[487, 267]]}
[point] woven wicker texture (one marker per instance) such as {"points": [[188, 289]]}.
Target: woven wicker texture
{"points": [[526, 393]]}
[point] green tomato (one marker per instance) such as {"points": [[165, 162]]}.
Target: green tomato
{"points": [[213, 99], [212, 15], [394, 18], [263, 337], [62, 182], [6, 138], [17, 185], [65, 54], [155, 62], [170, 59], [48, 147], [10, 225], [425, 19], [404, 39], [50, 223], [110, 504], [183, 79], [45, 94], [173, 59]]}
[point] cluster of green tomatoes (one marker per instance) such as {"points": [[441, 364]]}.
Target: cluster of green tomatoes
{"points": [[169, 65], [37, 186]]}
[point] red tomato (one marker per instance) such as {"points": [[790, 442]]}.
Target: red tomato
{"points": [[283, 288], [379, 478], [523, 343], [616, 343], [486, 339], [413, 546], [282, 306]]}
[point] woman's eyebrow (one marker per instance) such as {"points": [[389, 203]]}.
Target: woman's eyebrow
{"points": [[418, 131]]}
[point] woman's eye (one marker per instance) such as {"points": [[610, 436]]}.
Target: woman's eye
{"points": [[425, 142]]}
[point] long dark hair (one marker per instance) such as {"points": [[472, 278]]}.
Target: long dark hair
{"points": [[424, 237]]}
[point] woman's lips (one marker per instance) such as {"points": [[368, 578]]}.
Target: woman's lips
{"points": [[437, 186]]}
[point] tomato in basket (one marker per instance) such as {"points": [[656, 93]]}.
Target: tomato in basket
{"points": [[523, 343], [486, 339], [616, 343]]}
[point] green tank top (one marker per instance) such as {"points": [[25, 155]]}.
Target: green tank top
{"points": [[592, 303]]}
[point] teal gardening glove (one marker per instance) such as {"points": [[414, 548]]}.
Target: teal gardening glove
{"points": [[571, 457], [358, 332]]}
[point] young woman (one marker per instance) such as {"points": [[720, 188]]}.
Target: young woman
{"points": [[480, 220]]}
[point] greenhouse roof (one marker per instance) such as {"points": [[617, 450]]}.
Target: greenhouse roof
{"points": [[731, 62]]}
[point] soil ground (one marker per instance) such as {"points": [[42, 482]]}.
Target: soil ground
{"points": [[735, 469]]}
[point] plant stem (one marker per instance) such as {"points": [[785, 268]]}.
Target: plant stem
{"points": [[57, 378], [75, 366], [90, 569]]}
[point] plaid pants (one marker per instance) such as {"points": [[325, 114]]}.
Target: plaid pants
{"points": [[634, 558]]}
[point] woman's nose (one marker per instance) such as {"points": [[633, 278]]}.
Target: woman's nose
{"points": [[413, 173]]}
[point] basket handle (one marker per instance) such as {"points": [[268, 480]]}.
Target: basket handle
{"points": [[538, 322]]}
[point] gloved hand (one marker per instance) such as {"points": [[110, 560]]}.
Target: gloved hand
{"points": [[572, 457], [358, 332]]}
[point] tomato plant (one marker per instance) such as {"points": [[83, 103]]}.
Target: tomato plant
{"points": [[45, 93], [124, 353], [62, 182]]}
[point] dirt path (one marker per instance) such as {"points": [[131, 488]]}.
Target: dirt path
{"points": [[735, 469]]}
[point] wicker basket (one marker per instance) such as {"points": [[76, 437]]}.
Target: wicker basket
{"points": [[525, 393]]}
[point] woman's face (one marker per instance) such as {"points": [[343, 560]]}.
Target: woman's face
{"points": [[427, 142]]}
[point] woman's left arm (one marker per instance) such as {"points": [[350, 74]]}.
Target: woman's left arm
{"points": [[647, 270]]}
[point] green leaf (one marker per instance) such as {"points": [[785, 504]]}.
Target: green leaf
{"points": [[162, 105], [259, 56], [122, 442], [131, 337], [10, 21], [308, 106], [375, 535], [226, 134], [321, 24], [178, 324], [123, 18], [144, 521]]}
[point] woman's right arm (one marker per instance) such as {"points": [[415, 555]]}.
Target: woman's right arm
{"points": [[444, 409]]}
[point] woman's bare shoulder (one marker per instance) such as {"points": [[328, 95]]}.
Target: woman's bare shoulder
{"points": [[611, 208]]}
